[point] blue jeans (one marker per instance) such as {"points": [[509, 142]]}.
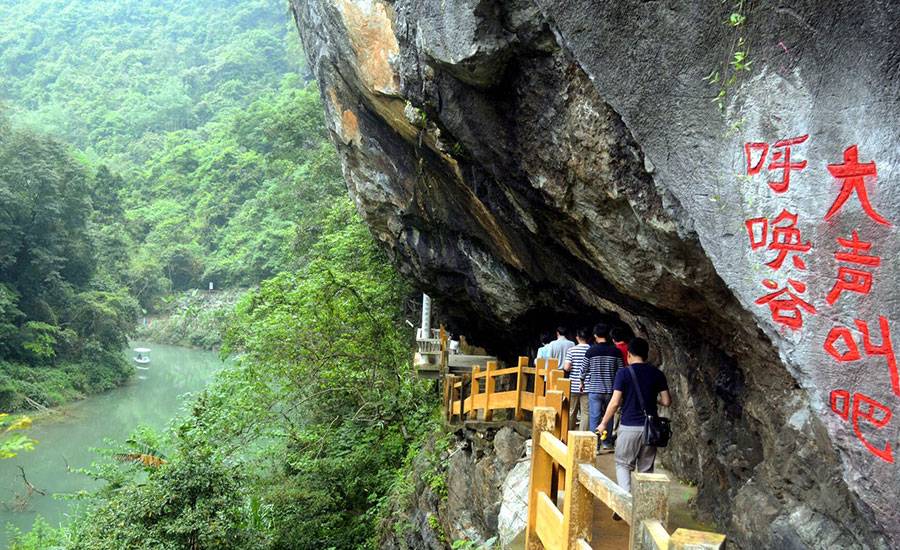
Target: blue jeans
{"points": [[597, 403]]}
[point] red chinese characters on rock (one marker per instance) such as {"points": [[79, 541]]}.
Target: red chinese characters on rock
{"points": [[851, 349], [781, 160], [860, 408], [864, 408], [785, 304], [782, 239], [853, 174], [785, 239], [853, 279], [855, 274]]}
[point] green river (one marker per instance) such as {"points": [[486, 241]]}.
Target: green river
{"points": [[152, 398]]}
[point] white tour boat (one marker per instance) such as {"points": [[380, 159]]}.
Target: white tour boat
{"points": [[142, 357]]}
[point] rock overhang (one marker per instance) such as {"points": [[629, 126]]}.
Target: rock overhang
{"points": [[564, 157]]}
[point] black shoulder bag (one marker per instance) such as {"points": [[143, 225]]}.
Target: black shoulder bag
{"points": [[657, 429]]}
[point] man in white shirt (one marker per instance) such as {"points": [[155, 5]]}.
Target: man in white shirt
{"points": [[543, 352], [557, 348]]}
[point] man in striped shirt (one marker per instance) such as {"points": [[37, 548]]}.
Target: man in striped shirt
{"points": [[578, 405], [598, 371]]}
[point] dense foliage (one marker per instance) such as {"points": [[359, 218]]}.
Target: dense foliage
{"points": [[193, 318], [197, 155], [64, 308], [231, 204], [298, 445], [115, 77], [200, 156], [215, 145]]}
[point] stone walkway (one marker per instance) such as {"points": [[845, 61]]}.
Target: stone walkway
{"points": [[613, 535]]}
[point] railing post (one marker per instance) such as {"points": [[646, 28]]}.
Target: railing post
{"points": [[543, 420], [452, 380], [540, 386], [563, 387], [448, 392], [684, 539], [554, 400], [520, 387], [556, 382], [462, 398], [473, 412], [553, 377], [488, 390], [578, 508], [650, 500], [444, 367]]}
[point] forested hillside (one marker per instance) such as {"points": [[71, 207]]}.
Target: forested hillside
{"points": [[153, 147], [194, 108], [173, 144], [114, 77], [65, 309]]}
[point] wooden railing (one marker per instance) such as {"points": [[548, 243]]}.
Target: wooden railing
{"points": [[467, 395], [645, 509], [562, 465]]}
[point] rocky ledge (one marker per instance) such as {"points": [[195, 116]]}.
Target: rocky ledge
{"points": [[457, 488], [693, 170]]}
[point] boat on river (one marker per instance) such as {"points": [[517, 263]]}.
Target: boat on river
{"points": [[142, 358]]}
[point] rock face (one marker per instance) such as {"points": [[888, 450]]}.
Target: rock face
{"points": [[694, 172], [465, 504], [512, 519]]}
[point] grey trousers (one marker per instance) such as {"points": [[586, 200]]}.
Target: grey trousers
{"points": [[578, 409], [631, 454]]}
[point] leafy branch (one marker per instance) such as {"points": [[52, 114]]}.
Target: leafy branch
{"points": [[737, 61], [12, 443]]}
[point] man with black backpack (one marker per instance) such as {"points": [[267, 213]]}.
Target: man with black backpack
{"points": [[641, 430]]}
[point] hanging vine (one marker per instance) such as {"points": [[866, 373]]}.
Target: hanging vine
{"points": [[737, 60]]}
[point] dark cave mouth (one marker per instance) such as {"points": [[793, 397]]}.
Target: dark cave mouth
{"points": [[521, 337]]}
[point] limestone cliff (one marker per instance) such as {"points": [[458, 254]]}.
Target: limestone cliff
{"points": [[687, 166], [455, 488]]}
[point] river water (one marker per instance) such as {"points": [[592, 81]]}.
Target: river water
{"points": [[152, 398]]}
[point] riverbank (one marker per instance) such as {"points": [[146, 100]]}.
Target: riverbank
{"points": [[35, 388], [67, 435], [191, 319], [194, 318]]}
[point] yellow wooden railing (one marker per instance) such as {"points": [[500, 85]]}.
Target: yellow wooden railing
{"points": [[562, 469], [645, 509], [468, 395]]}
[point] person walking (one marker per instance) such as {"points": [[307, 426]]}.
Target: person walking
{"points": [[636, 390], [598, 371], [578, 404], [543, 352], [619, 337], [557, 348]]}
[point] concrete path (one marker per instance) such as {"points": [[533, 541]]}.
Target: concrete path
{"points": [[613, 535]]}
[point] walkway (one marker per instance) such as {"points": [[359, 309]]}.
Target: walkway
{"points": [[565, 519], [615, 533]]}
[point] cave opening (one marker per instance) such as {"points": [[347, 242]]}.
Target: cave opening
{"points": [[522, 337]]}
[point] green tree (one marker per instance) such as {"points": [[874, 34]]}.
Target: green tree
{"points": [[11, 441], [303, 439], [61, 297]]}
